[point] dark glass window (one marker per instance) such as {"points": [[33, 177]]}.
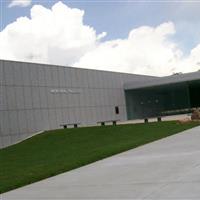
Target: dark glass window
{"points": [[116, 110]]}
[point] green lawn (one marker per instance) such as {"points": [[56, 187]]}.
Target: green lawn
{"points": [[58, 151]]}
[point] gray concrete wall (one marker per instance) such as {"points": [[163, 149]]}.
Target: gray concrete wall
{"points": [[32, 98], [158, 81]]}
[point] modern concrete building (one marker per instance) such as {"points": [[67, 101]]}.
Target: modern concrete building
{"points": [[38, 97], [175, 94]]}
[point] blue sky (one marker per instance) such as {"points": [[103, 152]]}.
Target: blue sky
{"points": [[178, 44], [117, 18]]}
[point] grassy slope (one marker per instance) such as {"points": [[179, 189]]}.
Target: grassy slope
{"points": [[57, 151]]}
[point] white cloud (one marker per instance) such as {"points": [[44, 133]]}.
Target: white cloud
{"points": [[59, 36], [21, 3], [55, 35], [146, 50]]}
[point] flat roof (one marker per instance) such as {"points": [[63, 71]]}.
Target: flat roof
{"points": [[156, 81], [78, 68]]}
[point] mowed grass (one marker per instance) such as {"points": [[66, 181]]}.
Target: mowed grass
{"points": [[54, 152]]}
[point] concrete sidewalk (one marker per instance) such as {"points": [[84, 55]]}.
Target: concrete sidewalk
{"points": [[165, 169], [164, 118]]}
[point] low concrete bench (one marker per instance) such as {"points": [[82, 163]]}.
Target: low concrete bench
{"points": [[70, 124], [146, 120], [114, 122]]}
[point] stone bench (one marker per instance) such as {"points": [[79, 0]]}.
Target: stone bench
{"points": [[114, 122], [146, 120], [70, 124]]}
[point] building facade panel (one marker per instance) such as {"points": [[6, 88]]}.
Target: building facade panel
{"points": [[4, 125], [3, 99], [2, 73], [17, 74]]}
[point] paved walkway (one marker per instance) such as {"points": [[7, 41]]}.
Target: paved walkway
{"points": [[164, 118], [165, 169]]}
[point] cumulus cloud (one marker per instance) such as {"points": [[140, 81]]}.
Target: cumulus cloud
{"points": [[59, 36], [20, 3], [56, 36], [146, 50]]}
